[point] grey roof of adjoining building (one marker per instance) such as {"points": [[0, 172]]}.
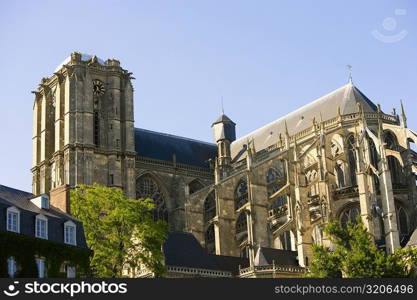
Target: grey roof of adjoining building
{"points": [[163, 146], [21, 200], [28, 211], [9, 193], [230, 263], [269, 256], [345, 98], [181, 249]]}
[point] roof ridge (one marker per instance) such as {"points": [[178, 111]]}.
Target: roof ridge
{"points": [[176, 136], [293, 112], [14, 189]]}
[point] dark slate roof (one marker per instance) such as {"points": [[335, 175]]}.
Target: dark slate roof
{"points": [[12, 194], [326, 107], [162, 146], [21, 200], [223, 119], [230, 263], [28, 211], [181, 249], [268, 256]]}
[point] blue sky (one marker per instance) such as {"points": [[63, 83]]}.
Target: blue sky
{"points": [[265, 58]]}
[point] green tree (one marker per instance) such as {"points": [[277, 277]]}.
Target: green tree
{"points": [[356, 256], [120, 231]]}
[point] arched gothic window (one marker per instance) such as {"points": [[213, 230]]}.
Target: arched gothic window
{"points": [[194, 186], [349, 215], [279, 201], [395, 170], [276, 178], [272, 175], [278, 207], [352, 160], [241, 223], [242, 233], [241, 193], [210, 207], [210, 240], [340, 175], [402, 224], [373, 154], [390, 141], [285, 240], [393, 164], [146, 187], [244, 251]]}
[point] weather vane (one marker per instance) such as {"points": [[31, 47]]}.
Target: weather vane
{"points": [[222, 106], [350, 72]]}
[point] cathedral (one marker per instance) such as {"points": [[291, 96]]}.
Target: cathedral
{"points": [[256, 203]]}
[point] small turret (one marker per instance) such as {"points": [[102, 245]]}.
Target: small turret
{"points": [[224, 129], [224, 134]]}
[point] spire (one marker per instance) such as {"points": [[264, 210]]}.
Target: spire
{"points": [[222, 107], [380, 129], [362, 114], [403, 117], [286, 127], [295, 148]]}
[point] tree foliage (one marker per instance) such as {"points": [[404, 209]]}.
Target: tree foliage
{"points": [[356, 256], [120, 231]]}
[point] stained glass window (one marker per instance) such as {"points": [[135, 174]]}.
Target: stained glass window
{"points": [[210, 207], [402, 222], [352, 160], [349, 215], [194, 186], [146, 187], [241, 223], [241, 193], [276, 177]]}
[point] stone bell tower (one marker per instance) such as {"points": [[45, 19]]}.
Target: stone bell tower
{"points": [[83, 129]]}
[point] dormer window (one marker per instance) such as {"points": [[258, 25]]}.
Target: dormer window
{"points": [[13, 219], [41, 227], [41, 201], [70, 233]]}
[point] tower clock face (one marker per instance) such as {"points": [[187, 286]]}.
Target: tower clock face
{"points": [[98, 87]]}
